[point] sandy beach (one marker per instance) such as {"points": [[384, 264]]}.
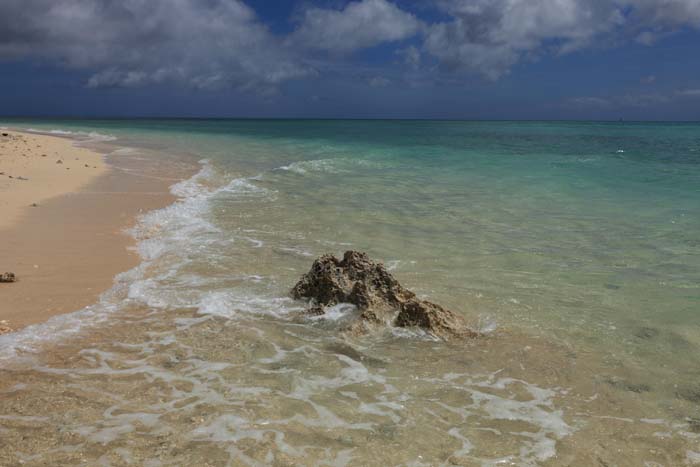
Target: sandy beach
{"points": [[34, 168], [64, 211]]}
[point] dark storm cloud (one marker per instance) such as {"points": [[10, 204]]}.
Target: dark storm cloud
{"points": [[220, 43]]}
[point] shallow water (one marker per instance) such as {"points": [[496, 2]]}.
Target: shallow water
{"points": [[575, 246]]}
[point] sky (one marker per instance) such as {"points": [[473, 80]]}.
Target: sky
{"points": [[454, 59]]}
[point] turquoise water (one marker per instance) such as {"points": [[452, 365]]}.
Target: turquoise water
{"points": [[575, 246]]}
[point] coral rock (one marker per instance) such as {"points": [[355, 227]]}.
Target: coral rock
{"points": [[381, 299], [8, 277]]}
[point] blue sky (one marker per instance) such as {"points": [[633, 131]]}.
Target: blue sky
{"points": [[471, 59]]}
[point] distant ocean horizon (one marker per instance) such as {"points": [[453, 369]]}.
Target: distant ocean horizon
{"points": [[9, 119], [574, 246]]}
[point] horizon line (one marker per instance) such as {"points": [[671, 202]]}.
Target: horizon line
{"points": [[438, 119]]}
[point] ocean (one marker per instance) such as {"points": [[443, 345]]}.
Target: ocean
{"points": [[574, 247]]}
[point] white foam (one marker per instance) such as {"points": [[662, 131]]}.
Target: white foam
{"points": [[692, 457], [123, 151], [320, 165], [160, 232], [535, 446], [84, 136], [467, 445], [296, 251], [329, 166], [242, 187], [486, 325], [229, 304], [393, 264], [28, 340], [339, 312]]}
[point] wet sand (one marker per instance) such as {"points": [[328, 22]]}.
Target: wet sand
{"points": [[66, 250]]}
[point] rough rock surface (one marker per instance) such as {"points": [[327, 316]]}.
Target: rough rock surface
{"points": [[8, 277], [376, 293]]}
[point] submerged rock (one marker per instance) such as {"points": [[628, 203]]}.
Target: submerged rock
{"points": [[628, 385], [358, 280], [693, 424], [646, 332], [8, 277], [689, 393]]}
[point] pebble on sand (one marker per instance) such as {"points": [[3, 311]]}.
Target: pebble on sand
{"points": [[4, 327], [8, 277]]}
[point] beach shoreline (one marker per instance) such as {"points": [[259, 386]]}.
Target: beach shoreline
{"points": [[64, 225], [198, 355]]}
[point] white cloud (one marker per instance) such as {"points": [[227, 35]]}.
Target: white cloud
{"points": [[590, 102], [490, 36], [411, 56], [359, 25], [665, 13], [137, 42], [223, 43], [689, 93], [379, 82], [642, 100]]}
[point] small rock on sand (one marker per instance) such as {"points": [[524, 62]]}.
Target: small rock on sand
{"points": [[8, 277], [5, 328]]}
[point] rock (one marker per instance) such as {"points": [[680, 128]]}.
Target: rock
{"points": [[646, 333], [693, 424], [349, 351], [59, 161], [358, 280], [4, 327], [690, 394], [5, 134], [628, 386], [8, 277]]}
